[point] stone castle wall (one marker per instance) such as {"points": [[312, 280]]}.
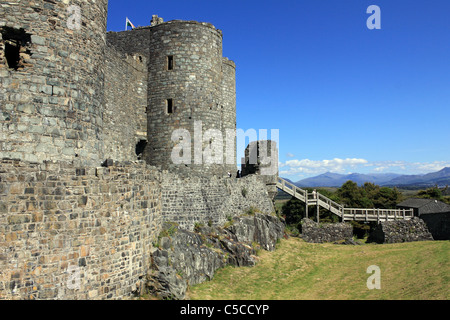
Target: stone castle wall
{"points": [[125, 117], [68, 231], [58, 218], [206, 200], [228, 107], [201, 86], [194, 87], [131, 41], [73, 90], [78, 213]]}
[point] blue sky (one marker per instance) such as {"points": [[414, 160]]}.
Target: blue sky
{"points": [[343, 97]]}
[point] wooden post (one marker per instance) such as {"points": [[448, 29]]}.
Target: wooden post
{"points": [[306, 203], [317, 211], [378, 216]]}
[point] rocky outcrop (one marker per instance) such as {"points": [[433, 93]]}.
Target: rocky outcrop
{"points": [[400, 231], [262, 229], [184, 258], [314, 232]]}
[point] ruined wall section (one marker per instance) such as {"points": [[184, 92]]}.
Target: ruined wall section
{"points": [[187, 91], [51, 87], [125, 118], [261, 158], [74, 232]]}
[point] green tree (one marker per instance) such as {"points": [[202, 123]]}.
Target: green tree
{"points": [[293, 212], [431, 193], [353, 196], [387, 198], [369, 195]]}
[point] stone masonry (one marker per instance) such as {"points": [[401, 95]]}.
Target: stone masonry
{"points": [[51, 80], [101, 223], [399, 231], [197, 87], [86, 139], [57, 218]]}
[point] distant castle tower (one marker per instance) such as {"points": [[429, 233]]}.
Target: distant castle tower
{"points": [[51, 80]]}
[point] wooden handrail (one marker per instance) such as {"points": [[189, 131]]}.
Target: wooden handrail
{"points": [[362, 214]]}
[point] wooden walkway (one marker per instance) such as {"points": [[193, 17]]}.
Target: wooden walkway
{"points": [[346, 214]]}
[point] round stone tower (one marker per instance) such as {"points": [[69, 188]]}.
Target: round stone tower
{"points": [[51, 79], [185, 98], [229, 109]]}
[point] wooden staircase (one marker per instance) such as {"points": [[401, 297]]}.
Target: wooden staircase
{"points": [[346, 214]]}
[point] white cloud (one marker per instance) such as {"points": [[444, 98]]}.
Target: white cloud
{"points": [[289, 155], [310, 167], [333, 164]]}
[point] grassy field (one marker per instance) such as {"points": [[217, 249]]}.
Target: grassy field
{"points": [[297, 270]]}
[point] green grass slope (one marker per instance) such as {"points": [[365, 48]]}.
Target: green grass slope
{"points": [[303, 271]]}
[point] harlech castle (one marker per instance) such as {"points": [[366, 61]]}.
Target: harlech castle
{"points": [[87, 118]]}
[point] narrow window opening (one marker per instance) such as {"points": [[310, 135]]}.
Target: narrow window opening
{"points": [[140, 147], [12, 54], [16, 44], [169, 62], [169, 103]]}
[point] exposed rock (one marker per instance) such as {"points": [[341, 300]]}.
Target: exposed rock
{"points": [[262, 229], [186, 258]]}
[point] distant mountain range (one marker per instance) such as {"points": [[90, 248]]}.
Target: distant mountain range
{"points": [[329, 179]]}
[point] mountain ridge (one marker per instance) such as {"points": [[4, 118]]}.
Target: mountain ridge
{"points": [[330, 179]]}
